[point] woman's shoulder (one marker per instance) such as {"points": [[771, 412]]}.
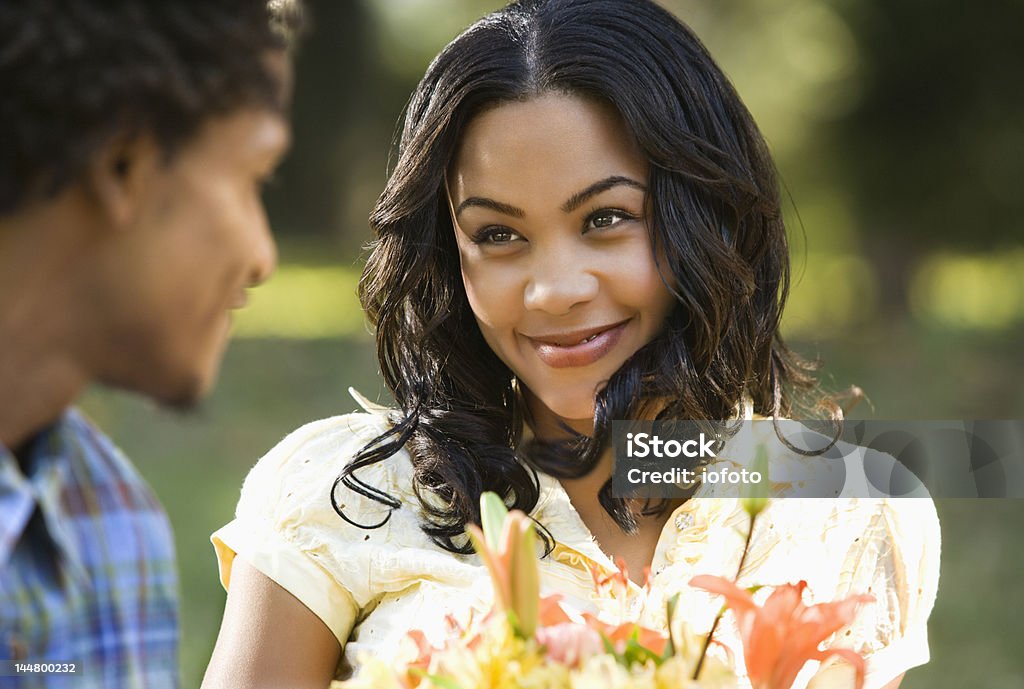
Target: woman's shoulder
{"points": [[332, 545], [849, 514]]}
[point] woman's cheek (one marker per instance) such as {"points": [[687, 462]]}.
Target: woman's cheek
{"points": [[493, 295]]}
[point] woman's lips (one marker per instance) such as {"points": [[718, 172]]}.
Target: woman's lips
{"points": [[578, 348]]}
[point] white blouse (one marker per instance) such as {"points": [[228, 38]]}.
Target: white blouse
{"points": [[371, 587]]}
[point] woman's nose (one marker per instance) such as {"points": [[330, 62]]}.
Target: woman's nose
{"points": [[558, 283]]}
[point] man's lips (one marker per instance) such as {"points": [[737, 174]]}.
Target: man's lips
{"points": [[576, 347]]}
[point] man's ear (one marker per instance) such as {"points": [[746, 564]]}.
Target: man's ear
{"points": [[120, 178]]}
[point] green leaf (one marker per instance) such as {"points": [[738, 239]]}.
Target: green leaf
{"points": [[513, 622], [635, 653], [609, 647], [442, 682], [492, 517]]}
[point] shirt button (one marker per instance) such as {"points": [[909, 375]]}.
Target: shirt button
{"points": [[684, 521]]}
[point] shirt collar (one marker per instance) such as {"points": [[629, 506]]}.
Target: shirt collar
{"points": [[17, 502], [366, 405], [49, 471]]}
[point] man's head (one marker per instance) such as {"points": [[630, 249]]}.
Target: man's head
{"points": [[136, 137]]}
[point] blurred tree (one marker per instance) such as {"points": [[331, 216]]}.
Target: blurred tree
{"points": [[354, 74], [335, 78], [934, 149]]}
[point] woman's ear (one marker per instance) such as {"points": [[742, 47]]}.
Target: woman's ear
{"points": [[120, 176]]}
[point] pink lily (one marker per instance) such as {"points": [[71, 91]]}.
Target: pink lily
{"points": [[569, 643]]}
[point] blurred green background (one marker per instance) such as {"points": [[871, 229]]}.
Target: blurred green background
{"points": [[899, 134]]}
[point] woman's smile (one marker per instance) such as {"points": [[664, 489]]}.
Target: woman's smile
{"points": [[580, 347]]}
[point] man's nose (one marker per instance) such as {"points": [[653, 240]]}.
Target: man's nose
{"points": [[265, 257]]}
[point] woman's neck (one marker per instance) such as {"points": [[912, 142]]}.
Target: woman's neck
{"points": [[635, 549], [548, 426]]}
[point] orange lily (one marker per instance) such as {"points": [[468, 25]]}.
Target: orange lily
{"points": [[551, 612], [616, 583], [411, 678], [781, 636], [654, 641]]}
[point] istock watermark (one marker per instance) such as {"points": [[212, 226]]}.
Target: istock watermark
{"points": [[895, 459]]}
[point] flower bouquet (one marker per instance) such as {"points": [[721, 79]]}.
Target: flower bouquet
{"points": [[531, 642]]}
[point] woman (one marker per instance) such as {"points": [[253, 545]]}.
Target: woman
{"points": [[583, 225]]}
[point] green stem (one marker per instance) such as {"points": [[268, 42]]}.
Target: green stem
{"points": [[718, 617]]}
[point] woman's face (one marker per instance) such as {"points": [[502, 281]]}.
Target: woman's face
{"points": [[547, 197]]}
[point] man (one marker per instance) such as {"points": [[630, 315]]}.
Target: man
{"points": [[134, 138]]}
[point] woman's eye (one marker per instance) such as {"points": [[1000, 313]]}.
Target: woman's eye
{"points": [[606, 218], [495, 236]]}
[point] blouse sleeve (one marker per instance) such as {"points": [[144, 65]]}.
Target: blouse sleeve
{"points": [[286, 528], [892, 553]]}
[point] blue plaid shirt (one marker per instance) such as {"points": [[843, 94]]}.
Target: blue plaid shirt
{"points": [[87, 568]]}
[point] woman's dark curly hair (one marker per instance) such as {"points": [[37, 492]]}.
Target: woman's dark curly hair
{"points": [[714, 212], [76, 73]]}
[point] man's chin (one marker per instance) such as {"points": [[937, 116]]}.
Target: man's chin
{"points": [[183, 403], [192, 394], [175, 387], [185, 395]]}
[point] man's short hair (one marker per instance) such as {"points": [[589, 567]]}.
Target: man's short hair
{"points": [[76, 73]]}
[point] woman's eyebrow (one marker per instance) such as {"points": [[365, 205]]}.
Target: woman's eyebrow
{"points": [[482, 202], [580, 197]]}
